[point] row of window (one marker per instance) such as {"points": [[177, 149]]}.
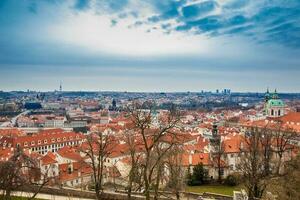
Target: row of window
{"points": [[46, 141], [53, 147]]}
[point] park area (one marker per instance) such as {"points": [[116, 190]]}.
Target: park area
{"points": [[219, 189]]}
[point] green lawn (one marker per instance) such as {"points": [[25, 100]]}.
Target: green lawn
{"points": [[219, 189]]}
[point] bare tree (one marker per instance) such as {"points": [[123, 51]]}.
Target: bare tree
{"points": [[134, 173], [287, 186], [97, 148], [251, 165], [282, 138], [176, 180], [151, 136], [21, 172], [266, 145]]}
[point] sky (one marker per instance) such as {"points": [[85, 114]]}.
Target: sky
{"points": [[150, 45]]}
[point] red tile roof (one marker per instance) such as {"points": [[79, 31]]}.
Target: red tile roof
{"points": [[80, 169], [48, 159], [41, 139], [70, 153], [197, 158]]}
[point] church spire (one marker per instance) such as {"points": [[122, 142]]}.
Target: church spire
{"points": [[267, 95], [275, 95], [60, 87]]}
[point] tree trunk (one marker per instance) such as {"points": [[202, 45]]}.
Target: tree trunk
{"points": [[147, 186], [279, 164], [129, 189], [7, 195], [219, 170], [157, 184], [97, 190], [177, 195]]}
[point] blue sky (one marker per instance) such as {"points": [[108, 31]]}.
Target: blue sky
{"points": [[150, 45]]}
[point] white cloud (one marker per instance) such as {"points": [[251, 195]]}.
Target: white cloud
{"points": [[95, 33]]}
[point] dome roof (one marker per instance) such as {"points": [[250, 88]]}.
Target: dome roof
{"points": [[275, 102]]}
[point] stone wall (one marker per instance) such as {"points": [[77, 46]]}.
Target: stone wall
{"points": [[83, 194]]}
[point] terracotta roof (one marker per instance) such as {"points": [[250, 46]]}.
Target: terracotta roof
{"points": [[291, 117], [11, 132], [233, 144], [44, 138], [70, 153], [197, 158], [6, 153], [48, 159], [80, 169]]}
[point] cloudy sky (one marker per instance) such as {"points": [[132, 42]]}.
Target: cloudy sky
{"points": [[150, 45]]}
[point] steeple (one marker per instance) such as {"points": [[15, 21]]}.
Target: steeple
{"points": [[275, 95], [267, 96], [60, 87]]}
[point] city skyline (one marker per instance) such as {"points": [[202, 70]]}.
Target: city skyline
{"points": [[150, 46]]}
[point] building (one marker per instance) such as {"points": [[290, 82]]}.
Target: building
{"points": [[274, 106], [44, 142]]}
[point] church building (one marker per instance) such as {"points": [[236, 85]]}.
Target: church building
{"points": [[274, 106]]}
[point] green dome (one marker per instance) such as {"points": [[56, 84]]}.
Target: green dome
{"points": [[275, 102]]}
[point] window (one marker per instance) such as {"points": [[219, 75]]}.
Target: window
{"points": [[45, 141], [32, 143], [52, 140], [279, 113], [58, 139], [222, 172], [25, 144], [39, 141], [272, 112], [64, 138]]}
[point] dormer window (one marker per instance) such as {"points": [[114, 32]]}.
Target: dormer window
{"points": [[58, 139], [25, 144], [52, 140], [77, 136], [39, 141], [71, 137], [45, 141], [32, 143], [64, 138]]}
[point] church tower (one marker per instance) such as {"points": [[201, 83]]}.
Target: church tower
{"points": [[274, 106], [60, 87]]}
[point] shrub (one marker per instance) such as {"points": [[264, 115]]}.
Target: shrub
{"points": [[231, 180]]}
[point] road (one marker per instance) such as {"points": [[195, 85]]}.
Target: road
{"points": [[13, 120]]}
